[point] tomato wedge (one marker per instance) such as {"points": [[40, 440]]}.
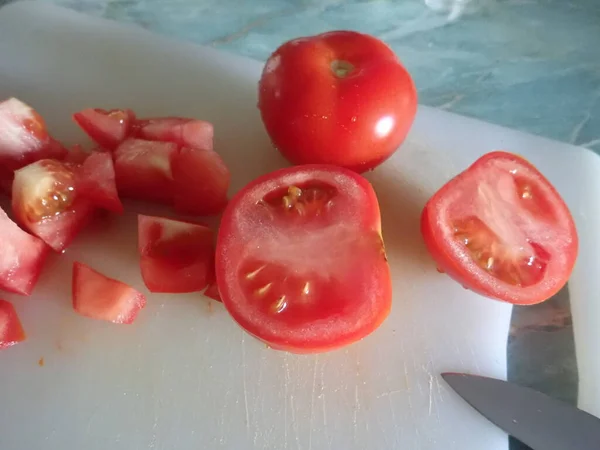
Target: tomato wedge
{"points": [[300, 261], [201, 180], [22, 257], [501, 229], [182, 131], [100, 297], [46, 203], [107, 128], [96, 181], [143, 170], [175, 256], [11, 330], [212, 291]]}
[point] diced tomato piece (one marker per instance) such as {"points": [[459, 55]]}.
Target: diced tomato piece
{"points": [[100, 297], [21, 257], [45, 202], [107, 128], [11, 330], [96, 181], [212, 291], [182, 131], [176, 256], [143, 170], [24, 137], [201, 182]]}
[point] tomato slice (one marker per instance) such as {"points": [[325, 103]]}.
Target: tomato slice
{"points": [[176, 256], [96, 181], [300, 261], [501, 229], [201, 180], [100, 297], [107, 128], [11, 330], [46, 203], [24, 138], [22, 257], [143, 170], [182, 131]]}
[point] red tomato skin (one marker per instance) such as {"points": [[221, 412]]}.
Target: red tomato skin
{"points": [[106, 128], [201, 181], [11, 330], [313, 116], [175, 256], [99, 297], [449, 265], [370, 220], [22, 257]]}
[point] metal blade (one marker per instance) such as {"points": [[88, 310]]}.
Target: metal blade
{"points": [[537, 420]]}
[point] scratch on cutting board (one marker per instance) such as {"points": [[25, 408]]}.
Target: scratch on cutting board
{"points": [[312, 401], [474, 358], [430, 393], [244, 382]]}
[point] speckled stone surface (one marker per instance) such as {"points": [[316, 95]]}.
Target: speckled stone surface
{"points": [[532, 65]]}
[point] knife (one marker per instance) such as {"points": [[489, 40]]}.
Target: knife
{"points": [[535, 419]]}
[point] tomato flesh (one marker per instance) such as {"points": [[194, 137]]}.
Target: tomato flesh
{"points": [[107, 128], [502, 230], [300, 261], [201, 180], [100, 297], [22, 257], [182, 131], [175, 256], [46, 203], [11, 330], [338, 98], [143, 170]]}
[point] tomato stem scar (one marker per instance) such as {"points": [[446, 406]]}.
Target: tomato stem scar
{"points": [[341, 68]]}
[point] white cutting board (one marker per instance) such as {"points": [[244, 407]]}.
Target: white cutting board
{"points": [[184, 376]]}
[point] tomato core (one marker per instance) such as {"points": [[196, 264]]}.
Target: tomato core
{"points": [[341, 69]]}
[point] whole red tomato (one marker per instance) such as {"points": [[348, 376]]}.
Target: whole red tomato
{"points": [[338, 98]]}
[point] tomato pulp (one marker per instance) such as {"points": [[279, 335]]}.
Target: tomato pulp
{"points": [[501, 229], [339, 98], [300, 261]]}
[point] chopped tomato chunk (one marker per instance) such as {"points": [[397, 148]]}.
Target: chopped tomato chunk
{"points": [[46, 203], [22, 257], [11, 330], [179, 130], [201, 181], [100, 297], [143, 170], [176, 256], [107, 128], [96, 181]]}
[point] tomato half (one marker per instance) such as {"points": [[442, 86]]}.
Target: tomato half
{"points": [[46, 202], [22, 257], [100, 297], [340, 98], [175, 256], [11, 330], [501, 229], [300, 261]]}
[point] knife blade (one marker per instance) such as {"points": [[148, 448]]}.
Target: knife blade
{"points": [[535, 419]]}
